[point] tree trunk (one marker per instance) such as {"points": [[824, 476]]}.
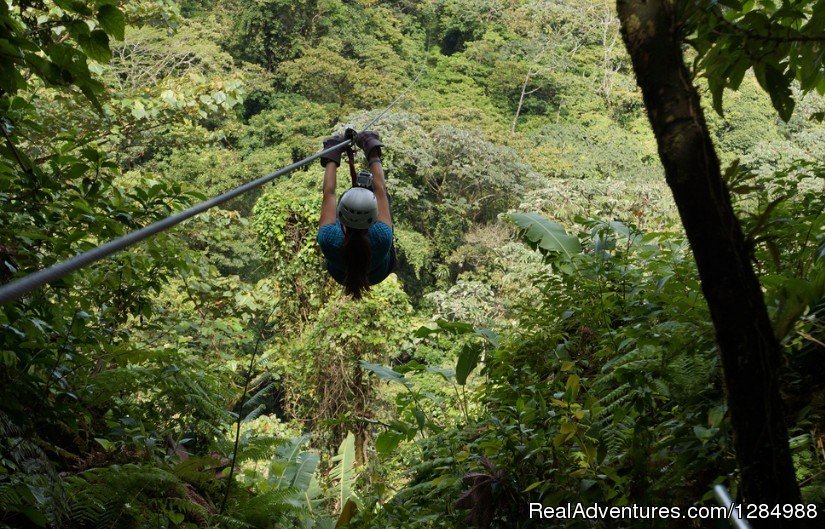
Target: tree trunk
{"points": [[748, 348], [521, 100]]}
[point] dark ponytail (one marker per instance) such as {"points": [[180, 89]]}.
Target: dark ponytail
{"points": [[357, 259]]}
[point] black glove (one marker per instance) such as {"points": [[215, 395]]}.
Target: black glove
{"points": [[368, 141], [334, 156]]}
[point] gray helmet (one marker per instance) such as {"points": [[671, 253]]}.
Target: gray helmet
{"points": [[357, 208]]}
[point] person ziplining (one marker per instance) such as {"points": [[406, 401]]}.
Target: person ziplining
{"points": [[355, 232], [356, 236]]}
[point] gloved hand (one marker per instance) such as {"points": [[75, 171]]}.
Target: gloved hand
{"points": [[334, 156], [368, 141]]}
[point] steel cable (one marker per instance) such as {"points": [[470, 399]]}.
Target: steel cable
{"points": [[24, 285]]}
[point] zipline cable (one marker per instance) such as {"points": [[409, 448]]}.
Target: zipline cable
{"points": [[397, 99], [24, 285]]}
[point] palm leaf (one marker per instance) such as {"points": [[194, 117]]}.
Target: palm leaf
{"points": [[287, 455], [304, 470], [343, 473]]}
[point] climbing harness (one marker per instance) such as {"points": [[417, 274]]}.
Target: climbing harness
{"points": [[349, 133], [361, 178], [15, 289]]}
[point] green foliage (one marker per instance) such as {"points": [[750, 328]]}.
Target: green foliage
{"points": [[170, 92], [286, 220], [598, 150], [287, 493], [415, 249], [586, 369], [420, 407], [268, 32], [302, 74], [290, 127], [777, 41], [118, 373], [568, 422], [322, 378], [56, 62]]}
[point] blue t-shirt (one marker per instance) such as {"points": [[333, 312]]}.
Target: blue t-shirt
{"points": [[331, 240]]}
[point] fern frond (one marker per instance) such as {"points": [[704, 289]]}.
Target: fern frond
{"points": [[634, 360], [230, 522], [617, 437], [257, 399], [254, 414], [259, 448]]}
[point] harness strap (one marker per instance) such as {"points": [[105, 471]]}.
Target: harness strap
{"points": [[352, 172]]}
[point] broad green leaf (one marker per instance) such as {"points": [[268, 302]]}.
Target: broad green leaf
{"points": [[420, 418], [304, 471], [387, 441], [289, 454], [779, 88], [35, 516], [382, 372], [426, 330], [572, 385], [452, 327], [96, 45], [455, 327], [468, 359], [717, 89], [74, 6], [490, 335], [446, 373], [704, 434], [77, 28], [112, 21], [546, 234], [715, 415], [105, 444], [533, 486], [568, 428]]}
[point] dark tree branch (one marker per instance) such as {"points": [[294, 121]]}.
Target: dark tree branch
{"points": [[4, 127], [750, 34]]}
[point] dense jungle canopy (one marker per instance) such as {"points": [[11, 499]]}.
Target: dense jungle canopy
{"points": [[610, 226]]}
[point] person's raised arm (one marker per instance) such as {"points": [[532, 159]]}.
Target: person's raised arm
{"points": [[330, 162], [369, 142]]}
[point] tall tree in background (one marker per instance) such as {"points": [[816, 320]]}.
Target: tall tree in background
{"points": [[549, 34], [781, 45]]}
